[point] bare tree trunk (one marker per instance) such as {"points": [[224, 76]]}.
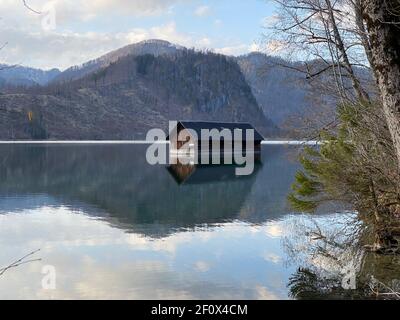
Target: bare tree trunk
{"points": [[358, 6], [360, 92], [382, 18]]}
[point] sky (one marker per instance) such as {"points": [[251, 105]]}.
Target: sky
{"points": [[70, 32]]}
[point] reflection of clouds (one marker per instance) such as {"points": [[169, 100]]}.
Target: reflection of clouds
{"points": [[264, 294], [254, 229], [94, 260], [274, 230], [271, 257], [96, 280], [74, 230], [134, 280], [202, 266]]}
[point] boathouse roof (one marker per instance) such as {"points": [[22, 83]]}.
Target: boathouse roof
{"points": [[197, 126]]}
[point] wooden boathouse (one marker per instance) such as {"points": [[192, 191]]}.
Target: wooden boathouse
{"points": [[222, 127]]}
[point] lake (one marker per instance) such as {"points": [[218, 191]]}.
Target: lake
{"points": [[110, 226]]}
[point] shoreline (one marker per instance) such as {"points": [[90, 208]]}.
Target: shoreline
{"points": [[266, 142]]}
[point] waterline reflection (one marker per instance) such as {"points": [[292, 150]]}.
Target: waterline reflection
{"points": [[115, 227], [95, 260]]}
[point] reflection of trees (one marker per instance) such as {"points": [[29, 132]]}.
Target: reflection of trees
{"points": [[118, 181], [333, 259], [307, 284]]}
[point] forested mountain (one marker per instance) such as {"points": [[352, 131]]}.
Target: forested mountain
{"points": [[131, 95], [153, 47], [143, 85], [290, 99], [281, 92]]}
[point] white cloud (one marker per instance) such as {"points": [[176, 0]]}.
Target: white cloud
{"points": [[71, 41], [236, 50], [79, 34], [46, 50], [202, 11], [63, 49], [276, 47], [218, 22], [255, 47], [137, 7], [68, 10], [204, 42], [42, 49], [270, 20]]}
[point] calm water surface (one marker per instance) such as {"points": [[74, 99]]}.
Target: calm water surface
{"points": [[115, 227]]}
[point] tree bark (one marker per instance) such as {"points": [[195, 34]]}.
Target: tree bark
{"points": [[382, 18], [358, 6], [360, 92]]}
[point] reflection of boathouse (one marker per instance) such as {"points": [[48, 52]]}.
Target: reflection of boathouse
{"points": [[233, 134], [203, 174]]}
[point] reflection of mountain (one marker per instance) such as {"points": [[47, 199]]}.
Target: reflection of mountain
{"points": [[133, 195]]}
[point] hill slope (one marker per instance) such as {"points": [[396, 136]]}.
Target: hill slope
{"points": [[132, 95], [153, 47]]}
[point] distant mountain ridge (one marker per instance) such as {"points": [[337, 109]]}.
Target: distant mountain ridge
{"points": [[153, 47], [25, 76], [155, 78], [281, 92], [131, 95]]}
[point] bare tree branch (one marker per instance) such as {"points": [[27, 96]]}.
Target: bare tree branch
{"points": [[30, 8], [20, 261]]}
